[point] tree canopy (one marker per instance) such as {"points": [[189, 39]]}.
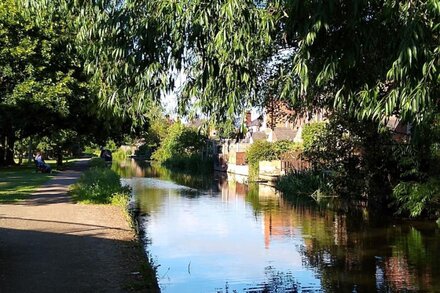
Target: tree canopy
{"points": [[44, 90], [372, 58]]}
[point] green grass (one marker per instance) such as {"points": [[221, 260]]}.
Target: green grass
{"points": [[18, 182]]}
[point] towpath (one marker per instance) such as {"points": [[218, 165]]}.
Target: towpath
{"points": [[50, 244]]}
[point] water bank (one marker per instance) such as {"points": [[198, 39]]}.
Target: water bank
{"points": [[50, 244]]}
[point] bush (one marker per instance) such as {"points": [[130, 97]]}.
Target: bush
{"points": [[97, 163], [182, 148], [302, 183], [121, 155], [92, 150], [100, 186], [266, 151]]}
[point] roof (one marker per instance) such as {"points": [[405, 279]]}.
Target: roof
{"points": [[257, 122], [197, 123], [397, 126], [283, 133], [260, 135]]}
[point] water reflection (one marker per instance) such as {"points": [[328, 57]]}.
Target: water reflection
{"points": [[214, 235]]}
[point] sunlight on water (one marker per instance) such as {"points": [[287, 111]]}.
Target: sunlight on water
{"points": [[214, 235]]}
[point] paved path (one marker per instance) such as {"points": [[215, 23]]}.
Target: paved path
{"points": [[49, 244]]}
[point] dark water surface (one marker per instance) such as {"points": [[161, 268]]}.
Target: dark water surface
{"points": [[209, 234]]}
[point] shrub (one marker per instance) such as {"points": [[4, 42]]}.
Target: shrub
{"points": [[266, 151], [92, 150], [100, 186], [121, 155], [97, 163], [303, 183], [182, 148]]}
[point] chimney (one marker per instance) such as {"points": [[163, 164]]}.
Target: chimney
{"points": [[248, 118]]}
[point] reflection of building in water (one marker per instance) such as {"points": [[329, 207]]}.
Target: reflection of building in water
{"points": [[277, 223], [398, 274], [285, 220], [340, 230], [232, 189]]}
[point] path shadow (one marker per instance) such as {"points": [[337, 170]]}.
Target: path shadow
{"points": [[89, 226], [32, 261], [53, 192]]}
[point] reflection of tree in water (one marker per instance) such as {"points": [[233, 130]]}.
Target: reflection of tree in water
{"points": [[362, 257], [350, 252], [356, 251], [134, 168]]}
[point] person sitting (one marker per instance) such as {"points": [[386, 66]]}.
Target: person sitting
{"points": [[106, 155], [41, 165]]}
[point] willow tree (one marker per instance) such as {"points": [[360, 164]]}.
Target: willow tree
{"points": [[136, 50], [372, 58]]}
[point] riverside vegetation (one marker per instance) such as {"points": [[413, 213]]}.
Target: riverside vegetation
{"points": [[71, 68], [183, 148], [100, 185], [370, 166]]}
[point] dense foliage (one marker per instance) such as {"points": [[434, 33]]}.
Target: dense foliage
{"points": [[373, 58], [262, 150], [311, 131], [183, 147], [417, 199], [359, 161], [362, 61], [46, 99]]}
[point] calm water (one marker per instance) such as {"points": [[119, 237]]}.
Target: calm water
{"points": [[209, 234]]}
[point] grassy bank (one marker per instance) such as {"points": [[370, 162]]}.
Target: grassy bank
{"points": [[100, 185], [18, 182]]}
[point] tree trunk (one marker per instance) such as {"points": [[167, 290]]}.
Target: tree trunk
{"points": [[59, 157], [2, 150], [30, 154], [9, 146]]}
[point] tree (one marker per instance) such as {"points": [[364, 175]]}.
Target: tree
{"points": [[136, 49], [36, 78], [372, 58], [43, 88]]}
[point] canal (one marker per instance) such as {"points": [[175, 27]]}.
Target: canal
{"points": [[213, 234]]}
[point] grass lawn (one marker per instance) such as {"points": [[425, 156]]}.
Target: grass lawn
{"points": [[18, 182]]}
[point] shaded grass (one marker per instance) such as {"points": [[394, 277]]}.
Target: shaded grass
{"points": [[18, 182]]}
